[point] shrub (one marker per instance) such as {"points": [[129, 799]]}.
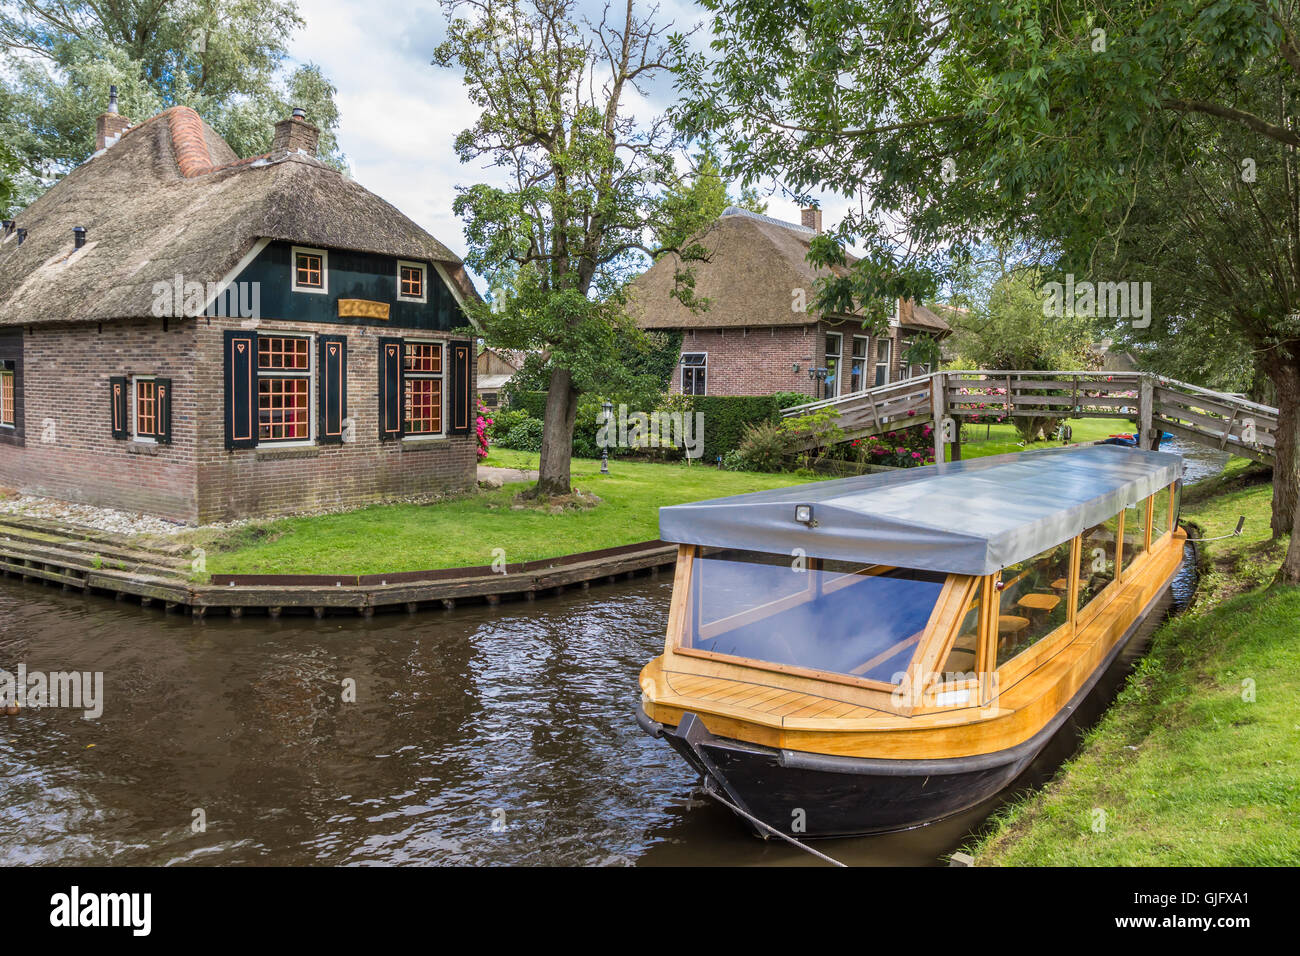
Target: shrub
{"points": [[901, 448], [790, 399], [526, 435], [762, 449], [726, 417], [482, 422], [503, 421]]}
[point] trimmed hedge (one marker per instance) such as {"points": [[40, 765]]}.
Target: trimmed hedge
{"points": [[725, 418]]}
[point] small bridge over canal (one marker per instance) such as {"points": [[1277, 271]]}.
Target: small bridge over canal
{"points": [[1215, 419]]}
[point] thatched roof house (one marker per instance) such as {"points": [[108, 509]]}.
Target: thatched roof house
{"points": [[201, 326], [760, 332]]}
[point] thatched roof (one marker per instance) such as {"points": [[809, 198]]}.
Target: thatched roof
{"points": [[172, 197], [755, 269]]}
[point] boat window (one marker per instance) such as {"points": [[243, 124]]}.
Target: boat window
{"points": [[833, 616], [1032, 603], [1097, 560], [1135, 533], [964, 654], [1160, 513]]}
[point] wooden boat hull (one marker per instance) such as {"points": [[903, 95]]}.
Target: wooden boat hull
{"points": [[812, 795]]}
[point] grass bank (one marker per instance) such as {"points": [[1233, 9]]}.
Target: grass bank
{"points": [[981, 440], [1195, 764], [464, 531]]}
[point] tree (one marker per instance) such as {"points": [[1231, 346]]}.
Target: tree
{"points": [[8, 169], [1040, 121], [697, 199], [224, 58], [585, 186]]}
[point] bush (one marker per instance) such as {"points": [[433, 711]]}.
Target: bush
{"points": [[503, 420], [762, 449], [902, 448], [526, 435], [726, 418], [790, 399]]}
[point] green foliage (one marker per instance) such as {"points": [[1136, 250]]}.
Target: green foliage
{"points": [[790, 399], [524, 435], [901, 448], [504, 420], [764, 447], [822, 425], [224, 58], [726, 417]]}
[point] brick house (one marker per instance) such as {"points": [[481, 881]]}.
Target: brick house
{"points": [[760, 333], [203, 337]]}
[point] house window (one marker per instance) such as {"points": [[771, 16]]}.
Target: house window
{"points": [[310, 270], [490, 399], [146, 417], [695, 373], [411, 282], [283, 388], [7, 397], [834, 349], [858, 367], [882, 360], [422, 398]]}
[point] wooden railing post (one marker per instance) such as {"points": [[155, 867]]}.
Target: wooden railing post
{"points": [[1146, 400], [938, 404]]}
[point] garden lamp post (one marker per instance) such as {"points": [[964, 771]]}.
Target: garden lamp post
{"points": [[607, 410]]}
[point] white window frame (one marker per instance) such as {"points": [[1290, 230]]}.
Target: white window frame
{"points": [[855, 359], [440, 376], [889, 360], [682, 367], [831, 384], [324, 269], [424, 280], [133, 411], [309, 374], [896, 316], [13, 413]]}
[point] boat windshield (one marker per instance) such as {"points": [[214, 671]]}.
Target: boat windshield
{"points": [[839, 617]]}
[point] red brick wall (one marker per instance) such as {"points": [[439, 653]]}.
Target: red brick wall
{"points": [[270, 480], [68, 451], [760, 361], [66, 383]]}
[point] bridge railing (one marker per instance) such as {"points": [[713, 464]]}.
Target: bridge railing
{"points": [[981, 392], [1216, 419]]}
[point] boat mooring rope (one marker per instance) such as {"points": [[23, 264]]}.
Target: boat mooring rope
{"points": [[1241, 523], [770, 829]]}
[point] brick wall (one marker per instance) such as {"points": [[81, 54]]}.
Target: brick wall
{"points": [[270, 480], [68, 451], [760, 361]]}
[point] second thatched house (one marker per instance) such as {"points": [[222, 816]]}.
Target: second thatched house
{"points": [[198, 336], [761, 332]]}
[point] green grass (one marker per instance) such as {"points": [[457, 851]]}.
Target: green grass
{"points": [[1002, 439], [464, 531], [1186, 768]]}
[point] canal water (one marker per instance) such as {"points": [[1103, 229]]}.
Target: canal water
{"points": [[487, 735]]}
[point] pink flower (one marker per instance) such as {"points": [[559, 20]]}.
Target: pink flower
{"points": [[916, 454], [911, 412]]}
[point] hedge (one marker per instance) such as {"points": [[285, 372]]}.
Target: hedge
{"points": [[725, 416]]}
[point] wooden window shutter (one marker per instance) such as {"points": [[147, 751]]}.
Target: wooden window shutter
{"points": [[241, 388], [391, 419], [333, 388], [462, 387], [117, 388], [163, 391]]}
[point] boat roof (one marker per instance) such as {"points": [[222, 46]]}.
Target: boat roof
{"points": [[964, 517]]}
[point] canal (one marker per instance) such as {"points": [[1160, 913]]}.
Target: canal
{"points": [[488, 735]]}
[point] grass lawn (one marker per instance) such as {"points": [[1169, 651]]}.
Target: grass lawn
{"points": [[1187, 767], [463, 531], [1002, 439]]}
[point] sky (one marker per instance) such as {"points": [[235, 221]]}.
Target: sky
{"points": [[400, 115]]}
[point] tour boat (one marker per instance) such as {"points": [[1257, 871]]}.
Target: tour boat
{"points": [[880, 652]]}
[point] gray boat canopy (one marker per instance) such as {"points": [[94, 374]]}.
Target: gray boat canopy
{"points": [[965, 517]]}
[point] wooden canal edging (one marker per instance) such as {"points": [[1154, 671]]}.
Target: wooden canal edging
{"points": [[159, 576]]}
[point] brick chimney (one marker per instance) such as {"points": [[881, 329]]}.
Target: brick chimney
{"points": [[295, 134], [111, 125], [812, 219]]}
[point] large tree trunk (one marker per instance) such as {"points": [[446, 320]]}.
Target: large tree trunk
{"points": [[1286, 453], [557, 435]]}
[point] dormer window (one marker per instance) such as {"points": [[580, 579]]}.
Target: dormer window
{"points": [[412, 281], [310, 270]]}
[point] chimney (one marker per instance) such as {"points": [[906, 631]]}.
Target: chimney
{"points": [[22, 235], [295, 134], [812, 219], [111, 125], [78, 236]]}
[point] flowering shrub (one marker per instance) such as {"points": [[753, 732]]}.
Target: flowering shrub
{"points": [[902, 448], [481, 425]]}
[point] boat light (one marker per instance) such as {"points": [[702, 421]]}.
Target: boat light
{"points": [[804, 515]]}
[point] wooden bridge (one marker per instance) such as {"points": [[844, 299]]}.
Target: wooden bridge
{"points": [[948, 399]]}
